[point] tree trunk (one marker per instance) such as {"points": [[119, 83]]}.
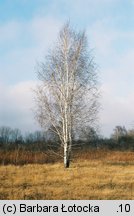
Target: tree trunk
{"points": [[66, 157]]}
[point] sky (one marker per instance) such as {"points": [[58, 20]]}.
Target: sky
{"points": [[28, 28]]}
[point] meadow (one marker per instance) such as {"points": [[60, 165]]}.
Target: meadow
{"points": [[92, 175]]}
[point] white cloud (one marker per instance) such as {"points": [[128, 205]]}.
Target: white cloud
{"points": [[109, 41], [39, 30], [116, 110], [101, 37], [86, 7], [9, 31], [44, 30], [17, 105], [29, 43], [114, 50]]}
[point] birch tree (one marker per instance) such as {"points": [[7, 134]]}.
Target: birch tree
{"points": [[67, 96]]}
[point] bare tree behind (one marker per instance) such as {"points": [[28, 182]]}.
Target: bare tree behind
{"points": [[5, 134], [67, 96]]}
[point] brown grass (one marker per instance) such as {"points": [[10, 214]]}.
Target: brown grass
{"points": [[21, 157], [92, 175]]}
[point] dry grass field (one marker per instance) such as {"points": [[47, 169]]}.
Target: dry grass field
{"points": [[92, 175]]}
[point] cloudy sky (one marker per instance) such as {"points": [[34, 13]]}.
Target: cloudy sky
{"points": [[29, 27]]}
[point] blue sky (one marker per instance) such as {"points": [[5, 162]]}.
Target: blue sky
{"points": [[28, 28]]}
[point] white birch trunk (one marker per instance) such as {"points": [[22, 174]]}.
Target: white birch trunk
{"points": [[66, 157]]}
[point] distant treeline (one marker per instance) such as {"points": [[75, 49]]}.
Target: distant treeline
{"points": [[12, 139]]}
